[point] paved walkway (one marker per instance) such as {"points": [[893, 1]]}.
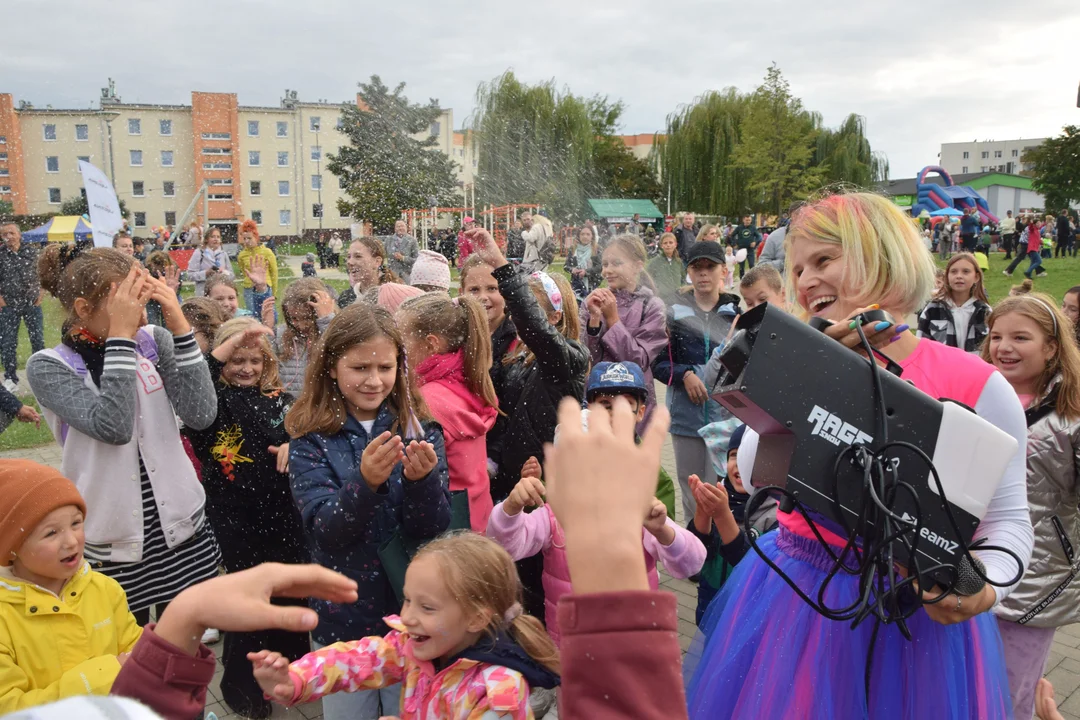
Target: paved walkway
{"points": [[1063, 667]]}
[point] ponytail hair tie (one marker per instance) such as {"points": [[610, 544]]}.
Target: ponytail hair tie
{"points": [[550, 289], [68, 253], [454, 300], [512, 613]]}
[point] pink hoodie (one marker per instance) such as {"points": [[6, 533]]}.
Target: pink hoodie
{"points": [[466, 420]]}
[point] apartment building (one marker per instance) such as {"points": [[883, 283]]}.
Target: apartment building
{"points": [[1004, 156], [263, 163]]}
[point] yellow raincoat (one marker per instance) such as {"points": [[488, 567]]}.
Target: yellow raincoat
{"points": [[54, 647]]}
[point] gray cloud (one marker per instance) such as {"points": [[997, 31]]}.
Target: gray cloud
{"points": [[994, 69]]}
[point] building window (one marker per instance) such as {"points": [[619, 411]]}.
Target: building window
{"points": [[221, 197], [170, 217], [253, 128], [316, 153], [316, 182], [217, 166], [166, 158], [52, 164], [135, 158], [1016, 153], [216, 151], [168, 189], [966, 154], [165, 128], [316, 210], [283, 188], [5, 189], [282, 129], [284, 218], [137, 189], [83, 158], [140, 219], [982, 169], [217, 136], [4, 172], [82, 133], [985, 154], [219, 182], [256, 215], [134, 126], [255, 188], [49, 132], [316, 123], [3, 157], [435, 127], [283, 159], [963, 169], [997, 153], [253, 158], [3, 139]]}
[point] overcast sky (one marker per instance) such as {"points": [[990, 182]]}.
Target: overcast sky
{"points": [[996, 69]]}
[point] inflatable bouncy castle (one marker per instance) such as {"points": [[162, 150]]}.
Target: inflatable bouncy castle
{"points": [[931, 196]]}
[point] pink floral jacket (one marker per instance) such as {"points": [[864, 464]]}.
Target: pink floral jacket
{"points": [[466, 690]]}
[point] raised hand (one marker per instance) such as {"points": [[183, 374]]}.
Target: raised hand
{"points": [[172, 277], [484, 246], [420, 459], [322, 303], [247, 337], [268, 312], [532, 468], [379, 459], [165, 296], [256, 272]]}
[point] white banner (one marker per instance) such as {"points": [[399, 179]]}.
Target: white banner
{"points": [[104, 207]]}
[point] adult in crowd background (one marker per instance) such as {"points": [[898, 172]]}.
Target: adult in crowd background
{"points": [[746, 237], [210, 259], [773, 251], [1007, 228], [123, 242], [401, 251], [334, 248], [12, 408], [685, 235], [969, 230], [20, 300], [539, 244]]}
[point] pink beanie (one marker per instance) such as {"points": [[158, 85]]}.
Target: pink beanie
{"points": [[393, 294], [431, 268]]}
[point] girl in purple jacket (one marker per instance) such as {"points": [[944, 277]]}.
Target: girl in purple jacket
{"points": [[624, 322]]}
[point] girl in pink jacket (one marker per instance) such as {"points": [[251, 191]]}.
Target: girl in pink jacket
{"points": [[448, 344]]}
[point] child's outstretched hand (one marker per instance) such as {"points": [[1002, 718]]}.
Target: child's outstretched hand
{"points": [[485, 247], [271, 670], [257, 272], [282, 453], [532, 468], [713, 499], [420, 459], [529, 492], [322, 304], [250, 336], [656, 523], [267, 312], [379, 459]]}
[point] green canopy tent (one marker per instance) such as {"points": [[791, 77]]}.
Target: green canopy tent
{"points": [[622, 211]]}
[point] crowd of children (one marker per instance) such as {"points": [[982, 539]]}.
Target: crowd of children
{"points": [[393, 433]]}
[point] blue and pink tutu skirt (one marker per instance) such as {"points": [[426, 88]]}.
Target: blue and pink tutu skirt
{"points": [[764, 653]]}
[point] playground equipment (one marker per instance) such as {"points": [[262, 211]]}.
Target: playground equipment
{"points": [[933, 197], [498, 220]]}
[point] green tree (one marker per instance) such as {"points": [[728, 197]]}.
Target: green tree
{"points": [[7, 209], [846, 154], [1055, 168], [621, 174], [385, 169], [78, 206], [777, 146]]}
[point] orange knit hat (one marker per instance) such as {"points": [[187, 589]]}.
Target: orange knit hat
{"points": [[29, 492]]}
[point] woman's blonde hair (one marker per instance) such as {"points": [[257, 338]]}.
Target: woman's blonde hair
{"points": [[1041, 309], [270, 382], [977, 290], [481, 577], [885, 259], [569, 325], [321, 407], [295, 305], [462, 323], [706, 229]]}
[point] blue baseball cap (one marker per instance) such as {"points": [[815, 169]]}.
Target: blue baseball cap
{"points": [[616, 378]]}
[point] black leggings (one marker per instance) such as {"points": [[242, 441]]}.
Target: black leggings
{"points": [[143, 616]]}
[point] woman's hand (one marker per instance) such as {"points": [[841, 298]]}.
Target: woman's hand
{"points": [[420, 459], [695, 388], [379, 459], [954, 608], [127, 303], [249, 336], [165, 295], [322, 304], [878, 334], [484, 246], [271, 671], [28, 414], [282, 453]]}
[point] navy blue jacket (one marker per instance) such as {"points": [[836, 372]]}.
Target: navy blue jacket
{"points": [[345, 522], [969, 225]]}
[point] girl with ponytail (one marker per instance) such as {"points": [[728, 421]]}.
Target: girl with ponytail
{"points": [[449, 347], [625, 322], [462, 646]]}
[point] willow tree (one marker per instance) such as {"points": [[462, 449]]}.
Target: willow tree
{"points": [[846, 154], [696, 156], [534, 144]]}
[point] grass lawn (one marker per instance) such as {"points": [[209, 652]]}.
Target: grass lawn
{"points": [[1063, 273]]}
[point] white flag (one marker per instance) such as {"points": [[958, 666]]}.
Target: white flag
{"points": [[104, 207]]}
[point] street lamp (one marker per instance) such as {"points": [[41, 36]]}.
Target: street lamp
{"points": [[318, 171], [109, 116]]}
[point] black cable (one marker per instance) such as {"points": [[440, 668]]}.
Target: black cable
{"points": [[872, 539]]}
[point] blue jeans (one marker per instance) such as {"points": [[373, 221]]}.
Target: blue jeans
{"points": [[253, 301], [1035, 259], [362, 705], [10, 316]]}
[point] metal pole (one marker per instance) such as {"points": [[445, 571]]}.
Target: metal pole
{"points": [[318, 170], [112, 166]]}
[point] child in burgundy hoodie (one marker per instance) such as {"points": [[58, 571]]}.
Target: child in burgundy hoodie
{"points": [[448, 344]]}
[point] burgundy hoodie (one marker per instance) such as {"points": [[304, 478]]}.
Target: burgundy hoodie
{"points": [[466, 419]]}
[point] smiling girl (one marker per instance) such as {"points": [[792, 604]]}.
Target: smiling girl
{"points": [[366, 266], [957, 314], [461, 648], [365, 461], [1031, 345], [244, 457]]}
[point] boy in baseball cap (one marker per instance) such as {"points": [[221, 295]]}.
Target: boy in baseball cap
{"points": [[64, 629]]}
